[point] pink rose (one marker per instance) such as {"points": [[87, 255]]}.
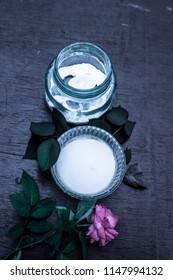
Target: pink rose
{"points": [[102, 225]]}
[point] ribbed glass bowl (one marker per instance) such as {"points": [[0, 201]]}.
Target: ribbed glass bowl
{"points": [[92, 132]]}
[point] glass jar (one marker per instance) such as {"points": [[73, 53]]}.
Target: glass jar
{"points": [[79, 104], [88, 132]]}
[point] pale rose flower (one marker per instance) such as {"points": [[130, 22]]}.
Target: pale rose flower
{"points": [[102, 225]]}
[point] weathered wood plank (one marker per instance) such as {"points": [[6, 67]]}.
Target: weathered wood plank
{"points": [[139, 40]]}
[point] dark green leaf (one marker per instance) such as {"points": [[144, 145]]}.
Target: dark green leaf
{"points": [[65, 218], [84, 244], [117, 116], [28, 239], [47, 153], [42, 128], [30, 188], [61, 256], [128, 155], [128, 127], [120, 135], [39, 226], [55, 240], [20, 204], [84, 209], [18, 255], [101, 124], [62, 216], [59, 121], [70, 243], [134, 177], [16, 231], [43, 208], [31, 150]]}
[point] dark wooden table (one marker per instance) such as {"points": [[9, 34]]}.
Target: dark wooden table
{"points": [[138, 37]]}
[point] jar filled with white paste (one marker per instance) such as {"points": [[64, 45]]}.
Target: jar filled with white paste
{"points": [[80, 82]]}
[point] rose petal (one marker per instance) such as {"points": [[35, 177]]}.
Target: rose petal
{"points": [[110, 220], [101, 233], [94, 235], [100, 211], [102, 242], [112, 231], [90, 230]]}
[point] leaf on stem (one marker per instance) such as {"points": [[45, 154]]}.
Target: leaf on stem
{"points": [[31, 150], [134, 177], [101, 124], [39, 226], [18, 255], [20, 204], [55, 240], [120, 135], [84, 209], [128, 155], [128, 127], [65, 217], [43, 208], [117, 116], [59, 121], [30, 188], [47, 153], [43, 128], [62, 256], [16, 231], [70, 243], [28, 239]]}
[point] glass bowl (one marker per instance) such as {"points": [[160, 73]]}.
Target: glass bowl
{"points": [[91, 132]]}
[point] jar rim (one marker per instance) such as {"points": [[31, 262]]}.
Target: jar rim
{"points": [[84, 93], [117, 150]]}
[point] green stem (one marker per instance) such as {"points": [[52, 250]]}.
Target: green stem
{"points": [[83, 225], [117, 131], [26, 246]]}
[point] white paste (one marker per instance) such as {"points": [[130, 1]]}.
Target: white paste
{"points": [[84, 75], [86, 165]]}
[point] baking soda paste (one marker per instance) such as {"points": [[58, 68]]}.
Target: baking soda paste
{"points": [[82, 76], [86, 165]]}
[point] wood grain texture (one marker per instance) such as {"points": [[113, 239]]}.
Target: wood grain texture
{"points": [[138, 37]]}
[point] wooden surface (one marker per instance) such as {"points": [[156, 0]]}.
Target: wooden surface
{"points": [[138, 37]]}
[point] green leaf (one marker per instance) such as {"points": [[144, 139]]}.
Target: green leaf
{"points": [[31, 150], [65, 218], [62, 217], [128, 127], [128, 155], [120, 135], [16, 231], [30, 188], [101, 124], [39, 226], [43, 128], [28, 239], [84, 244], [20, 204], [59, 121], [84, 209], [18, 255], [47, 153], [117, 116], [70, 243], [61, 256], [55, 240], [134, 177], [43, 208]]}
